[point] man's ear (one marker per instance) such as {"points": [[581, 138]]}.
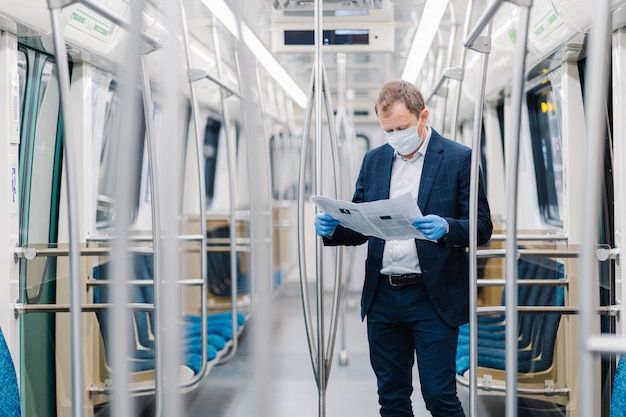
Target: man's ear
{"points": [[424, 115]]}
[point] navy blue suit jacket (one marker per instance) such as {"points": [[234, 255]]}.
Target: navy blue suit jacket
{"points": [[444, 190]]}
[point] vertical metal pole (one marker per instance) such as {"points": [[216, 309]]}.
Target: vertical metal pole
{"points": [[457, 98], [595, 90], [332, 331], [485, 43], [78, 384], [167, 165], [156, 220], [304, 289], [195, 114], [231, 151], [126, 176], [511, 287], [319, 38], [260, 234]]}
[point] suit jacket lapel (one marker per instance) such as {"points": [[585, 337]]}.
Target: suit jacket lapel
{"points": [[432, 161]]}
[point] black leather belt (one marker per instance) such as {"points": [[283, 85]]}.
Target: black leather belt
{"points": [[401, 280]]}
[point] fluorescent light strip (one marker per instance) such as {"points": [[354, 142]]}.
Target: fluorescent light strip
{"points": [[424, 35], [242, 32]]}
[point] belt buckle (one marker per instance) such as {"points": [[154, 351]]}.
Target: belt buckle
{"points": [[391, 277]]}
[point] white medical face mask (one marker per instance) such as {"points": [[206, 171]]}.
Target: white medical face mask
{"points": [[404, 141]]}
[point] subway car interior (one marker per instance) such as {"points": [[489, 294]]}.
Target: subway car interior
{"points": [[160, 157]]}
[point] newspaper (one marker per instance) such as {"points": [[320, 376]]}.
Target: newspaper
{"points": [[390, 219]]}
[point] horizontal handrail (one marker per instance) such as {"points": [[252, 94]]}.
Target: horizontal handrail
{"points": [[562, 392], [198, 74], [489, 310], [501, 237], [482, 23], [226, 240], [602, 253], [142, 238], [143, 282], [30, 253], [547, 253], [563, 282], [455, 73], [22, 308], [606, 343], [227, 249], [108, 14]]}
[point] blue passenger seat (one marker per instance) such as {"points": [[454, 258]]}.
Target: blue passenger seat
{"points": [[537, 331], [618, 397], [9, 392], [141, 350]]}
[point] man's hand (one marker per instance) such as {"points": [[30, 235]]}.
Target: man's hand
{"points": [[433, 226], [325, 224]]}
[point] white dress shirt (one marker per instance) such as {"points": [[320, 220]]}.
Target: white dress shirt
{"points": [[400, 256]]}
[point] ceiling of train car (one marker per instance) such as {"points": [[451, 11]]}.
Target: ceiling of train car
{"points": [[366, 71]]}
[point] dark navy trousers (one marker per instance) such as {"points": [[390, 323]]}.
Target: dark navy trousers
{"points": [[402, 325]]}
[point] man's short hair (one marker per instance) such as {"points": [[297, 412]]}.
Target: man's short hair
{"points": [[403, 92]]}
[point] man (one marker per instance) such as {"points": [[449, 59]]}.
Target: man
{"points": [[416, 292]]}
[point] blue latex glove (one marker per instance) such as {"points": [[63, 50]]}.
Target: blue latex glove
{"points": [[433, 226], [325, 224]]}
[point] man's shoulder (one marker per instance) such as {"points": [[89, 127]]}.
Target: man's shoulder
{"points": [[446, 143], [379, 151]]}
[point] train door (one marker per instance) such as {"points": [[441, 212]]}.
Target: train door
{"points": [[40, 156]]}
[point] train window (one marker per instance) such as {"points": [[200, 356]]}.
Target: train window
{"points": [[211, 142], [285, 166], [545, 129], [22, 66], [111, 142], [42, 160]]}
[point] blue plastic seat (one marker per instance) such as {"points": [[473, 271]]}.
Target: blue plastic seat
{"points": [[537, 331], [9, 392], [141, 349], [618, 397]]}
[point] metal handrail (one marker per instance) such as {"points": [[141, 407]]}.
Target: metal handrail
{"points": [[595, 90], [23, 308], [473, 224], [490, 310], [562, 392], [232, 181], [457, 99], [606, 343], [561, 282], [455, 73], [482, 23], [195, 111], [142, 282], [304, 289], [483, 45], [143, 238], [500, 237], [155, 209], [199, 74], [29, 253], [539, 253], [512, 163], [334, 316], [319, 353], [69, 157]]}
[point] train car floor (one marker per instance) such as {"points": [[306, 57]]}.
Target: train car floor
{"points": [[228, 391]]}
